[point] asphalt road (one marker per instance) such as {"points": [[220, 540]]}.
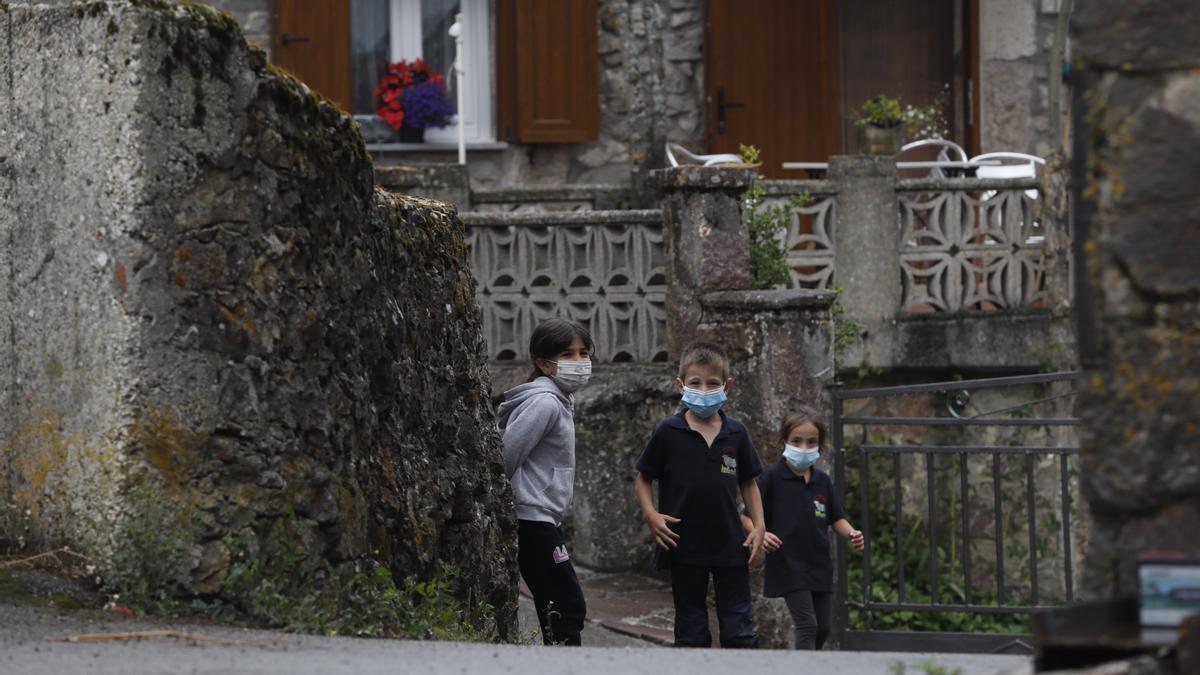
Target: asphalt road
{"points": [[31, 643]]}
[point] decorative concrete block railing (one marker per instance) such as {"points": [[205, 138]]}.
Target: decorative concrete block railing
{"points": [[971, 245], [604, 269], [976, 253], [809, 238], [965, 244]]}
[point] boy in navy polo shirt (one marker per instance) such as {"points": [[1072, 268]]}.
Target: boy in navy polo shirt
{"points": [[701, 459], [800, 504]]}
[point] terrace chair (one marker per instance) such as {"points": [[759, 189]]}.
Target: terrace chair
{"points": [[948, 151], [689, 157], [1017, 165]]}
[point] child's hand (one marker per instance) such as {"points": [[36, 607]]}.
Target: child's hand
{"points": [[771, 542], [664, 536], [856, 538], [755, 543]]}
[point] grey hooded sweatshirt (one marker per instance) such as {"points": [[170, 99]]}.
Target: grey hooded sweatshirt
{"points": [[539, 449]]}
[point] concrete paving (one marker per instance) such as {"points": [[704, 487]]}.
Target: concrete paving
{"points": [[624, 610]]}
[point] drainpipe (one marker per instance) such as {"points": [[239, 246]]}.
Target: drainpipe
{"points": [[1055, 74], [456, 33]]}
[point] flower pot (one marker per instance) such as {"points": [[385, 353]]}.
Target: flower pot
{"points": [[412, 134], [873, 140]]}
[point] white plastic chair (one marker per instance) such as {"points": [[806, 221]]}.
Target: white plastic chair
{"points": [[948, 151], [689, 157], [1019, 165]]}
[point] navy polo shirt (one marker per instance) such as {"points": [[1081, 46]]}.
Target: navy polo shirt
{"points": [[699, 484], [800, 513]]}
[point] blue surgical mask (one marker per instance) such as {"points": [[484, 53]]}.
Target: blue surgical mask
{"points": [[704, 404], [799, 458]]}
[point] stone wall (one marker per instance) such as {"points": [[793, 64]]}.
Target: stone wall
{"points": [[1017, 62], [1137, 140], [204, 301], [614, 419]]}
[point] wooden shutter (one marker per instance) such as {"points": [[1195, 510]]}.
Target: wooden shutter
{"points": [[547, 70]]}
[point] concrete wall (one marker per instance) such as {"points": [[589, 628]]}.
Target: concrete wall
{"points": [[1137, 139], [205, 301], [1016, 40]]}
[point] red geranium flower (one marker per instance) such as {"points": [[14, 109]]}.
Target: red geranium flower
{"points": [[430, 108]]}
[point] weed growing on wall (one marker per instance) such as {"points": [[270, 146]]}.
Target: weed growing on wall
{"points": [[273, 587], [273, 583], [767, 225], [147, 552], [846, 332]]}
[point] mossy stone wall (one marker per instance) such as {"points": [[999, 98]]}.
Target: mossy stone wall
{"points": [[203, 296], [1137, 144]]}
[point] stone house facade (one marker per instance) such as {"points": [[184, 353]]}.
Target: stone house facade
{"points": [[660, 70]]}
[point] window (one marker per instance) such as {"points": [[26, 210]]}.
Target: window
{"points": [[384, 31]]}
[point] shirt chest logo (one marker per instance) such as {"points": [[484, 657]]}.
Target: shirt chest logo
{"points": [[819, 506], [729, 460], [560, 554]]}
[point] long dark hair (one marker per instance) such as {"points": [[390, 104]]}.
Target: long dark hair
{"points": [[553, 336]]}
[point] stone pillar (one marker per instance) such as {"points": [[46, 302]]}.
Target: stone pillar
{"points": [[1136, 139], [705, 238], [780, 343], [866, 245]]}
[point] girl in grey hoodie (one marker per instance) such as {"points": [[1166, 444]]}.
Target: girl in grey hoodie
{"points": [[539, 458]]}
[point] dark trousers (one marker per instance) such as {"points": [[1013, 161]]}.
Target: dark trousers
{"points": [[689, 587], [810, 618], [547, 570]]}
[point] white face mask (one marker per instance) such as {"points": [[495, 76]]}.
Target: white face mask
{"points": [[572, 375]]}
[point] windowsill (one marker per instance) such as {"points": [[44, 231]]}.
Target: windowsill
{"points": [[435, 147]]}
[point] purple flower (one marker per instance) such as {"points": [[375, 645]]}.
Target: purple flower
{"points": [[426, 104]]}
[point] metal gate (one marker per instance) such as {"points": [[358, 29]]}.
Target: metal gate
{"points": [[881, 602]]}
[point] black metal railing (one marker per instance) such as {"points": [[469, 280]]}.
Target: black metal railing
{"points": [[1005, 601]]}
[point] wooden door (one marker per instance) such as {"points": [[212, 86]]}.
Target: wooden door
{"points": [[312, 42], [902, 48], [772, 80]]}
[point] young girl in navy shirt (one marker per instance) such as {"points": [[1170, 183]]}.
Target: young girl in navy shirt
{"points": [[800, 504]]}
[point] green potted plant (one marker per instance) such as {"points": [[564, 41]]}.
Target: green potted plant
{"points": [[880, 126]]}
